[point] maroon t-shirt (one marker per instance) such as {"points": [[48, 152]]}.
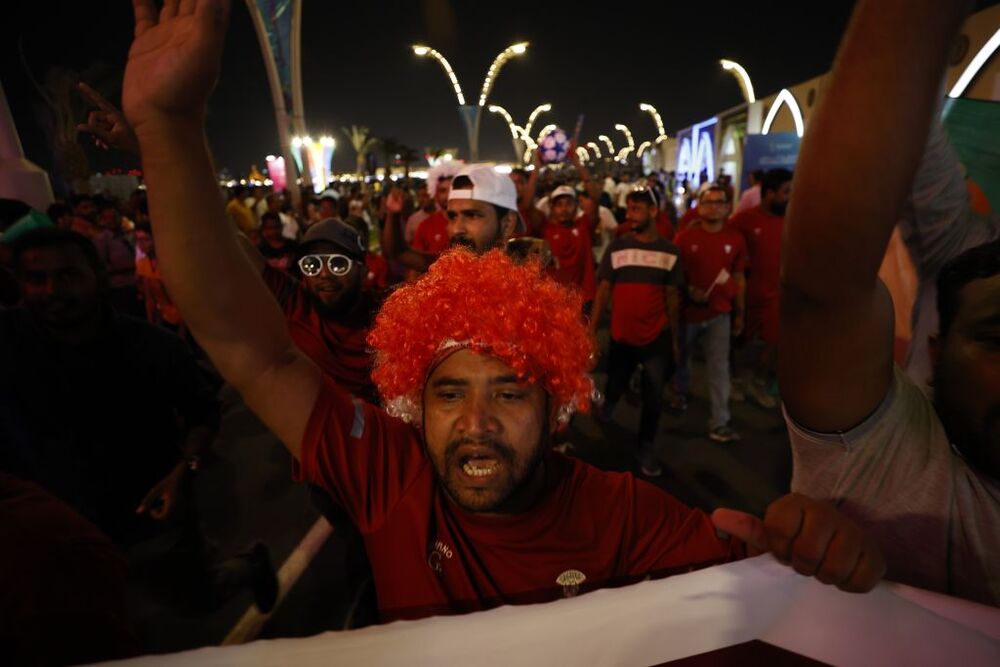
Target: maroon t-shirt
{"points": [[710, 262], [339, 349], [590, 529], [432, 234], [639, 274], [571, 247], [762, 233]]}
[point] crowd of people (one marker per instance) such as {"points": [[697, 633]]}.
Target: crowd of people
{"points": [[419, 346]]}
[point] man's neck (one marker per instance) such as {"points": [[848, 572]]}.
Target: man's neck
{"points": [[712, 227], [649, 234]]}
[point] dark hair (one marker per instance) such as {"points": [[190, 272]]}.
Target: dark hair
{"points": [[75, 200], [757, 175], [646, 196], [270, 215], [144, 227], [56, 237], [520, 171], [56, 211], [975, 263], [774, 179], [714, 188]]}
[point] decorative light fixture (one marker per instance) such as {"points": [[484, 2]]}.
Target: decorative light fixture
{"points": [[651, 110], [742, 76], [976, 64], [785, 97], [607, 142], [422, 51], [498, 63], [594, 147]]}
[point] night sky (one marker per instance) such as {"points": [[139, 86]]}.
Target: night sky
{"points": [[599, 59]]}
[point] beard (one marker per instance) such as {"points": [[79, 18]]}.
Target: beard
{"points": [[463, 241], [506, 489]]}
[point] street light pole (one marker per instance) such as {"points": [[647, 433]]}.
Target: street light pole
{"points": [[471, 114]]}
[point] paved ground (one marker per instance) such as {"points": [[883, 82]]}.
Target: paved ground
{"points": [[246, 495]]}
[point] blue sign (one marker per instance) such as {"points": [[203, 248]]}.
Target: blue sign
{"points": [[778, 150]]}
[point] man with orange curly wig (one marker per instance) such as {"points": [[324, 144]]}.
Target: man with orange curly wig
{"points": [[461, 503]]}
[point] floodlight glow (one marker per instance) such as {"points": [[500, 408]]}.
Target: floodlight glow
{"points": [[785, 97], [976, 64], [742, 76]]}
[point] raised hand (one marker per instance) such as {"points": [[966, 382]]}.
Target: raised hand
{"points": [[107, 124], [174, 60], [813, 537], [394, 202]]}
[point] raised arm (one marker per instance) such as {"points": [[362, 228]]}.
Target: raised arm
{"points": [[392, 236], [172, 67], [836, 318]]}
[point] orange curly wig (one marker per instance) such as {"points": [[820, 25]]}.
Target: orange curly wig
{"points": [[490, 305]]}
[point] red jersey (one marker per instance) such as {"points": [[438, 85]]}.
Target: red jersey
{"points": [[340, 349], [571, 249], [710, 261], [589, 529], [432, 234], [639, 274], [762, 233]]}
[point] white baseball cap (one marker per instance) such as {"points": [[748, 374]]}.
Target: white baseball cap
{"points": [[562, 191], [487, 186]]}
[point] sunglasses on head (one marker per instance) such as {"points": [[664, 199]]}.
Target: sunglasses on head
{"points": [[338, 265]]}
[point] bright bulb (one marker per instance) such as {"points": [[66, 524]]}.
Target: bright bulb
{"points": [[519, 48], [421, 50]]}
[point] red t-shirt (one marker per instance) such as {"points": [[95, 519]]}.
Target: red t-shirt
{"points": [[762, 233], [639, 274], [589, 529], [574, 259], [711, 259], [432, 234], [339, 349]]}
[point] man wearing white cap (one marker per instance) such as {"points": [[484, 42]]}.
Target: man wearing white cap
{"points": [[482, 213], [570, 238]]}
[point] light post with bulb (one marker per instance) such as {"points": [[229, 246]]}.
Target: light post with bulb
{"points": [[472, 113]]}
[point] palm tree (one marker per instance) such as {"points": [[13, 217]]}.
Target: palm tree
{"points": [[390, 148], [363, 143], [407, 155]]}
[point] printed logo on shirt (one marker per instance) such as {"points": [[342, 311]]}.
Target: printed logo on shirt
{"points": [[438, 554], [653, 259], [437, 237], [570, 581], [694, 247], [728, 248], [756, 231], [576, 232]]}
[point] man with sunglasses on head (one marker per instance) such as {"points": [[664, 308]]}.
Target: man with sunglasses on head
{"points": [[327, 310]]}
